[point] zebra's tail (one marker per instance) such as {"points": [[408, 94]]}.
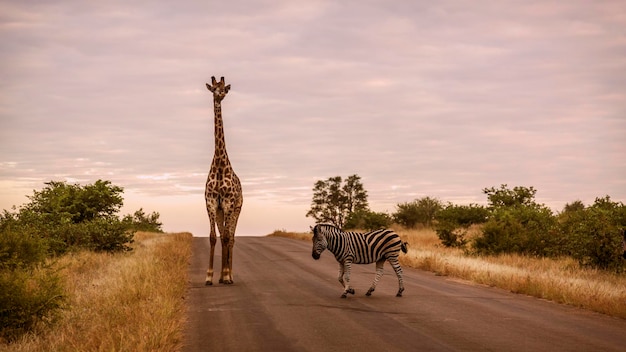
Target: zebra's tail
{"points": [[403, 246]]}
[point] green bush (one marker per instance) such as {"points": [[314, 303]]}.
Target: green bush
{"points": [[58, 218], [108, 235], [28, 296], [75, 202], [19, 248], [504, 197], [454, 221], [140, 221], [594, 234], [420, 211], [30, 291], [74, 216], [523, 229], [367, 220], [517, 224]]}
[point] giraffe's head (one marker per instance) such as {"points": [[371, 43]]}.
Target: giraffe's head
{"points": [[219, 89]]}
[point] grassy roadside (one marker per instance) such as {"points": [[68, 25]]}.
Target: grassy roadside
{"points": [[120, 302], [558, 280]]}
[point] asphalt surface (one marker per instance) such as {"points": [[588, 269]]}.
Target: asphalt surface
{"points": [[283, 300]]}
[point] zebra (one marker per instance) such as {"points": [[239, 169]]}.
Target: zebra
{"points": [[359, 248]]}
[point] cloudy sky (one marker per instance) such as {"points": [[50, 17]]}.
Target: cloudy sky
{"points": [[419, 98]]}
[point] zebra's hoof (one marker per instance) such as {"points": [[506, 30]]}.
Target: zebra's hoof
{"points": [[350, 291], [369, 292], [344, 295], [399, 294], [208, 283]]}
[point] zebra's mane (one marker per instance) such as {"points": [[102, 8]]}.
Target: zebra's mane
{"points": [[330, 225], [338, 229]]}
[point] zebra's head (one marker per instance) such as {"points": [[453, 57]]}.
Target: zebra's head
{"points": [[319, 242]]}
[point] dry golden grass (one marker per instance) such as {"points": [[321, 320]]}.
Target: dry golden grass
{"points": [[558, 280], [121, 302], [295, 235]]}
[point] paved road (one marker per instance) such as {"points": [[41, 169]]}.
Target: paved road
{"points": [[283, 300]]}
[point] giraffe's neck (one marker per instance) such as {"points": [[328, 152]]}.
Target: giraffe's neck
{"points": [[220, 143]]}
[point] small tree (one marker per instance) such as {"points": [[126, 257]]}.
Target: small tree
{"points": [[31, 291], [419, 211], [505, 197], [367, 220], [71, 215], [333, 202], [595, 234], [574, 206], [520, 229], [517, 224], [77, 203], [140, 221], [407, 214], [454, 221]]}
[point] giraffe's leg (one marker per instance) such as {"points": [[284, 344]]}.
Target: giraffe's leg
{"points": [[213, 239], [230, 223], [228, 262], [379, 272], [224, 275], [224, 241], [398, 269]]}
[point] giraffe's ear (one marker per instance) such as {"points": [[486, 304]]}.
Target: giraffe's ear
{"points": [[209, 87], [227, 88]]}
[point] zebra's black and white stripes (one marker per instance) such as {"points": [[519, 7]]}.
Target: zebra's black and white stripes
{"points": [[360, 248]]}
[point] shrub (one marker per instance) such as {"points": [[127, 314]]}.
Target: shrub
{"points": [[517, 224], [101, 234], [367, 220], [505, 197], [454, 221], [108, 235], [19, 248], [74, 216], [30, 291], [76, 202], [523, 229], [594, 234], [139, 221], [419, 211]]}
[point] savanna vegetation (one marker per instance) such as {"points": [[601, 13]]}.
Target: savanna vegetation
{"points": [[75, 275], [560, 279], [122, 301], [61, 221], [576, 256]]}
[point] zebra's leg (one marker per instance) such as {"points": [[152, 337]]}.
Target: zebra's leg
{"points": [[398, 269], [341, 274], [379, 272], [347, 288]]}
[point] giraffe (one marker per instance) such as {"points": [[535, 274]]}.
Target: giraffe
{"points": [[223, 193]]}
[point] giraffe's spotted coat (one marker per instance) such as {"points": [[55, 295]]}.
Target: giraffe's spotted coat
{"points": [[223, 193]]}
